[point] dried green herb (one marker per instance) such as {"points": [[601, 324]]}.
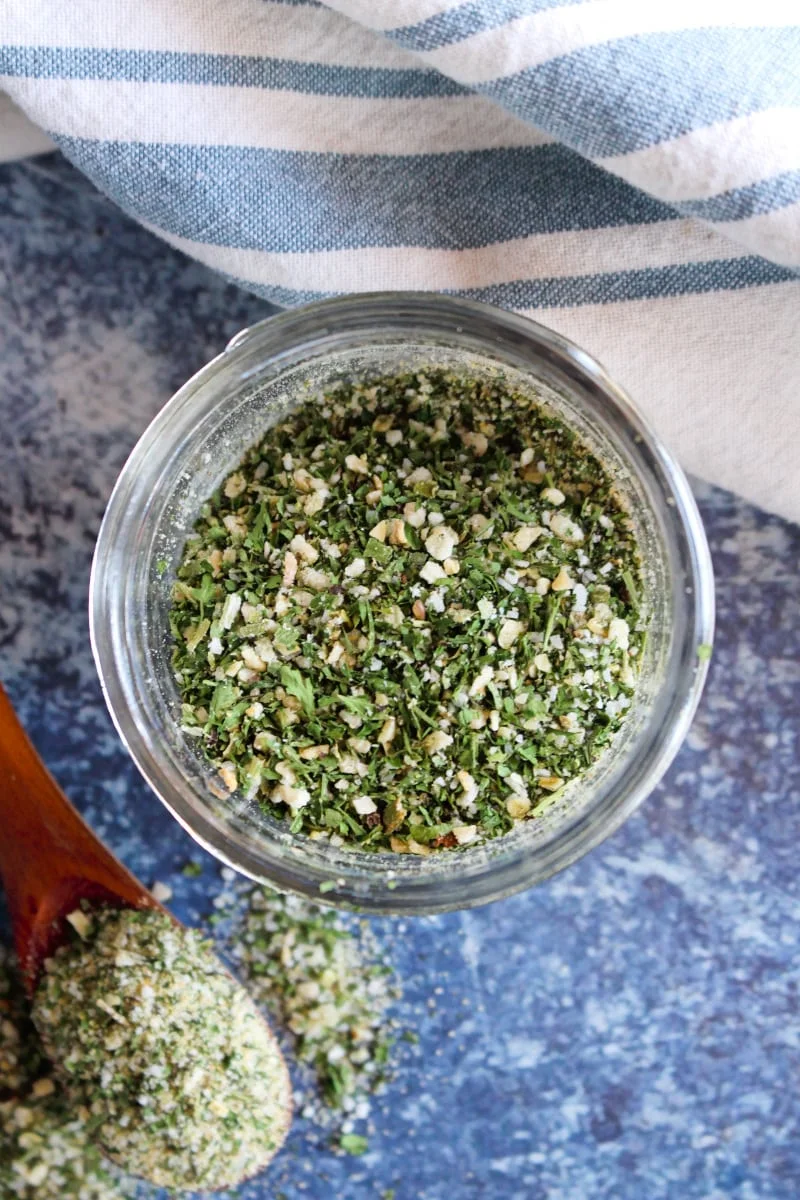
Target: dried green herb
{"points": [[46, 1152], [353, 1143], [411, 616], [169, 1062], [325, 981]]}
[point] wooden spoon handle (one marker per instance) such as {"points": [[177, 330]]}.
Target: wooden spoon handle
{"points": [[49, 857]]}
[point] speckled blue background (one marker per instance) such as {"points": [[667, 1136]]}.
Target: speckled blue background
{"points": [[629, 1030]]}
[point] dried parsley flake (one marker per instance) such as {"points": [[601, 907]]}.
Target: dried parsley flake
{"points": [[168, 1061], [410, 616]]}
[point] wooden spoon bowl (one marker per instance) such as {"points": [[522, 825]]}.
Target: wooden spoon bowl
{"points": [[49, 858]]}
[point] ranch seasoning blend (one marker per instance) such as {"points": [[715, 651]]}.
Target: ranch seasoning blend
{"points": [[165, 1057], [410, 616]]}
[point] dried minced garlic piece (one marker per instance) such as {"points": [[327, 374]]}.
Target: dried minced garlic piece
{"points": [[471, 565], [181, 1078]]}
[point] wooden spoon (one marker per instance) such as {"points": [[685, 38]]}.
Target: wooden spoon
{"points": [[49, 857], [50, 860]]}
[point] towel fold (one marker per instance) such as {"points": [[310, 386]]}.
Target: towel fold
{"points": [[628, 174]]}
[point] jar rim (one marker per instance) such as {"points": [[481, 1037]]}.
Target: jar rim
{"points": [[314, 332]]}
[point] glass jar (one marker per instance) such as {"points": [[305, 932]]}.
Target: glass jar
{"points": [[202, 434]]}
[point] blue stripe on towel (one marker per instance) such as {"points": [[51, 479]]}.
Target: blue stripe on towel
{"points": [[457, 24], [637, 91], [231, 70], [648, 283], [756, 198], [651, 283], [283, 200]]}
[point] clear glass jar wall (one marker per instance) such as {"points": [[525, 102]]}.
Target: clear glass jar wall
{"points": [[201, 435]]}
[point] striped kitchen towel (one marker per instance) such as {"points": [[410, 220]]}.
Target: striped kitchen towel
{"points": [[626, 172]]}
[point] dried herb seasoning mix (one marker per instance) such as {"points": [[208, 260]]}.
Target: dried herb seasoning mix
{"points": [[410, 616], [321, 974], [325, 979], [46, 1152], [164, 1056]]}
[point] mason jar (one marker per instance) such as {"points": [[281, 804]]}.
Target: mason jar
{"points": [[202, 433]]}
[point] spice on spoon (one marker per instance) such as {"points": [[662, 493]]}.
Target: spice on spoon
{"points": [[321, 974], [46, 1152], [175, 1072], [410, 616]]}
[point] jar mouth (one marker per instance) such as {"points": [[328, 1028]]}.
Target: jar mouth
{"points": [[202, 433]]}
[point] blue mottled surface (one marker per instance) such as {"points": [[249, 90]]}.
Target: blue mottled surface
{"points": [[628, 1031]]}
